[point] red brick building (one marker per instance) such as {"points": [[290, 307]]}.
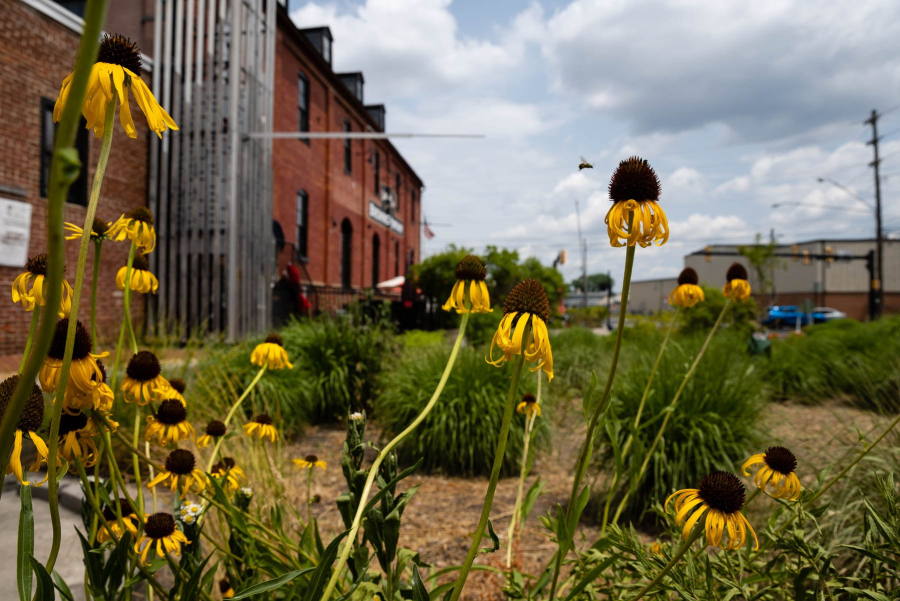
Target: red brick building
{"points": [[349, 208], [38, 48]]}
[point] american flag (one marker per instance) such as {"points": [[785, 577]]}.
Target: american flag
{"points": [[427, 231]]}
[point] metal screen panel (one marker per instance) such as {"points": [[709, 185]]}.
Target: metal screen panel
{"points": [[211, 182]]}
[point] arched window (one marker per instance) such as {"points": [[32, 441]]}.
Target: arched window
{"points": [[396, 259], [346, 253], [376, 259]]}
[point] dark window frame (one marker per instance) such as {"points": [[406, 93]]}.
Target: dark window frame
{"points": [[396, 258], [397, 186], [303, 104], [377, 169], [302, 226], [376, 259], [78, 191], [346, 254], [412, 206], [348, 149]]}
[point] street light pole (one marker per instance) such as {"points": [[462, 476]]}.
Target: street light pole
{"points": [[878, 284]]}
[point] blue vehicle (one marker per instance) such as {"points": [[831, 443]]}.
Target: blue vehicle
{"points": [[785, 315]]}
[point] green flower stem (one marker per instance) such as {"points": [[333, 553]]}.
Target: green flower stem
{"points": [[135, 461], [373, 471], [584, 456], [95, 276], [309, 495], [495, 472], [64, 170], [237, 403], [513, 522], [670, 410], [126, 309], [637, 418], [697, 533], [53, 489], [151, 476], [35, 314]]}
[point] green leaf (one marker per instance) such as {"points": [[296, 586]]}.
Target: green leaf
{"points": [[62, 587], [271, 585], [869, 594], [530, 497], [562, 536], [419, 592], [494, 538], [576, 511], [323, 570], [45, 590], [92, 563], [25, 545], [378, 496], [591, 577]]}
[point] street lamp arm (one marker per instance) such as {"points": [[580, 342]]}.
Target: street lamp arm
{"points": [[836, 184]]}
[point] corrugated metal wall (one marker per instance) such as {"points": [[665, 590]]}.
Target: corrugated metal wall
{"points": [[210, 185]]}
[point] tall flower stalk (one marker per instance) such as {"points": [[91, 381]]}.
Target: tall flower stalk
{"points": [[531, 408], [635, 218]]}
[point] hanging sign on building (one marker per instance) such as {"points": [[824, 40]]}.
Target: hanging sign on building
{"points": [[15, 232], [379, 215]]}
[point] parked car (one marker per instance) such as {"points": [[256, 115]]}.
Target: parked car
{"points": [[785, 315], [823, 314]]}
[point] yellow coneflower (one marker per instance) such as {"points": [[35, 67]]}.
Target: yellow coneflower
{"points": [[161, 532], [529, 405], [636, 217], [214, 431], [262, 426], [28, 287], [231, 471], [470, 274], [76, 439], [100, 230], [225, 589], [736, 285], [129, 520], [723, 495], [99, 398], [104, 396], [169, 424], [84, 374], [118, 69], [525, 305], [778, 465], [271, 354], [142, 280], [143, 382], [29, 422], [308, 463], [687, 293], [181, 468], [137, 226], [178, 387]]}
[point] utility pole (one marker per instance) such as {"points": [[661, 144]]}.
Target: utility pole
{"points": [[878, 283], [583, 246]]}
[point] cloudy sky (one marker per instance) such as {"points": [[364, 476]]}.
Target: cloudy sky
{"points": [[737, 105]]}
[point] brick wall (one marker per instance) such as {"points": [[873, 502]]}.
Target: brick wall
{"points": [[37, 54], [317, 167]]}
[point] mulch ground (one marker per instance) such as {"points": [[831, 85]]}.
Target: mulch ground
{"points": [[440, 519]]}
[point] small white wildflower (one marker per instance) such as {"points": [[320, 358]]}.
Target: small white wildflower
{"points": [[189, 512], [356, 416], [247, 491]]}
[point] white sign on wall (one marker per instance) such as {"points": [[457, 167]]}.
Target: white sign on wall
{"points": [[381, 216], [15, 232]]}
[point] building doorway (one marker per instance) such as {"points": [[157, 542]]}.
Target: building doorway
{"points": [[376, 259]]}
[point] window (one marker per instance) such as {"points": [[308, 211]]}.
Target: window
{"points": [[346, 253], [326, 49], [376, 259], [348, 150], [396, 259], [412, 206], [302, 225], [303, 104], [377, 167], [397, 193], [78, 189]]}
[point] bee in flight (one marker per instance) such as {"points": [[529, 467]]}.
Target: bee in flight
{"points": [[584, 164]]}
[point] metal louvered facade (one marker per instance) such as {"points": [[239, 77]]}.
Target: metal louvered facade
{"points": [[210, 184]]}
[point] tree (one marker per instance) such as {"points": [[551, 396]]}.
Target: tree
{"points": [[597, 282], [761, 260]]}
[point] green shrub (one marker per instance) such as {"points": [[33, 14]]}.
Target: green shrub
{"points": [[336, 361], [840, 359], [421, 338], [460, 434], [711, 428], [740, 316]]}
